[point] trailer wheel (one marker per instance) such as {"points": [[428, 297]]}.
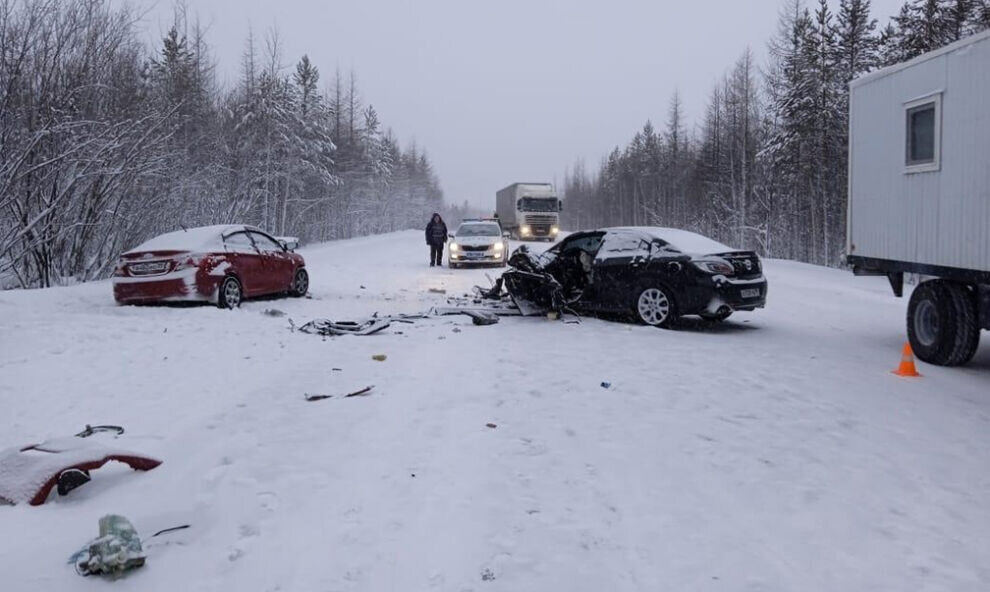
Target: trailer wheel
{"points": [[967, 325], [932, 322]]}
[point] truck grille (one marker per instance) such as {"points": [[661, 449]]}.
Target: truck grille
{"points": [[538, 220]]}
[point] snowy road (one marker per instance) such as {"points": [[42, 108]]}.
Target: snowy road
{"points": [[773, 453]]}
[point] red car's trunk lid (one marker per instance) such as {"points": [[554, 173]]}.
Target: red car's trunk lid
{"points": [[150, 262]]}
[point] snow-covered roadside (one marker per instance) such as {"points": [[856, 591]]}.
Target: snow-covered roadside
{"points": [[775, 452]]}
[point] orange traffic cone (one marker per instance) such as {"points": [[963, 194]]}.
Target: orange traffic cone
{"points": [[907, 363]]}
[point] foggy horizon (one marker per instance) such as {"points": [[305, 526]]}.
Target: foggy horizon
{"points": [[599, 75]]}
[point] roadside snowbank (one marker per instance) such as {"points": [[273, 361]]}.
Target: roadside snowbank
{"points": [[774, 452]]}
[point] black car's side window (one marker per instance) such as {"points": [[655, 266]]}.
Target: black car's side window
{"points": [[624, 245], [589, 244], [662, 247]]}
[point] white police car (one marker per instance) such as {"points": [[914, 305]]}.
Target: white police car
{"points": [[478, 242]]}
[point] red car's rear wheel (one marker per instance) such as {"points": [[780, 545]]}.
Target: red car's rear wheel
{"points": [[231, 293]]}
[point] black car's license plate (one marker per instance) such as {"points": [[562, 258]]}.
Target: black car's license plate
{"points": [[750, 293]]}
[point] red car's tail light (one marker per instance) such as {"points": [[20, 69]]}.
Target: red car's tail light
{"points": [[185, 262]]}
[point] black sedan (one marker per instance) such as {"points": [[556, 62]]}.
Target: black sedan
{"points": [[655, 274]]}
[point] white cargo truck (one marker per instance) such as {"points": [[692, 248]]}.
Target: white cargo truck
{"points": [[919, 192], [529, 211]]}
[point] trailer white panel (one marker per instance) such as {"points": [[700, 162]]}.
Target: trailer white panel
{"points": [[934, 213]]}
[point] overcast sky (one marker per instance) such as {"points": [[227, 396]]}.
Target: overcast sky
{"points": [[506, 90]]}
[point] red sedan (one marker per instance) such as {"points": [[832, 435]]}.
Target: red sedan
{"points": [[218, 264]]}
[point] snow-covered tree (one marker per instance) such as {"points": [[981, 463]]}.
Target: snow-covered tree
{"points": [[105, 142]]}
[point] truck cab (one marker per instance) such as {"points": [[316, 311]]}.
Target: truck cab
{"points": [[529, 211]]}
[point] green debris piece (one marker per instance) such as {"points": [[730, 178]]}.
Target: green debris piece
{"points": [[116, 550]]}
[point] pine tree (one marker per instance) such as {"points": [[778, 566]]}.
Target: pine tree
{"points": [[857, 44], [982, 17], [306, 78], [960, 19], [920, 27]]}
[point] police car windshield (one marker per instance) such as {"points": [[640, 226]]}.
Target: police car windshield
{"points": [[478, 230]]}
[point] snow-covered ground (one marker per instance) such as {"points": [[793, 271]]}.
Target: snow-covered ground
{"points": [[773, 452]]}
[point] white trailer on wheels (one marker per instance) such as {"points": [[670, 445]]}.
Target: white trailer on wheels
{"points": [[529, 210], [919, 192]]}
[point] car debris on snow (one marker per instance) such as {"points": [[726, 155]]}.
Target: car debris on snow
{"points": [[376, 324], [116, 550], [358, 393], [29, 473], [90, 430], [328, 328], [379, 357]]}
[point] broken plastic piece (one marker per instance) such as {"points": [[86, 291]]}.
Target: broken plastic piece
{"points": [[359, 393], [326, 327], [116, 550], [365, 391], [90, 430]]}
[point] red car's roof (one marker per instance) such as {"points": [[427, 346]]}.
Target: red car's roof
{"points": [[203, 238]]}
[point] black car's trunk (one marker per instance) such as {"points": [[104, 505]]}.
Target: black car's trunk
{"points": [[746, 264]]}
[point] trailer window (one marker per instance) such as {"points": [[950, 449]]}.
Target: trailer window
{"points": [[923, 123]]}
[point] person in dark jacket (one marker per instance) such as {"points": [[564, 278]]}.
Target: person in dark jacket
{"points": [[436, 237]]}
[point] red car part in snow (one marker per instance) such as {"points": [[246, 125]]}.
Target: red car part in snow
{"points": [[219, 264], [28, 474]]}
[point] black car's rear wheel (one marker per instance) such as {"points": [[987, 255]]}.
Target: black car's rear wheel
{"points": [[231, 293], [300, 283], [654, 306]]}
